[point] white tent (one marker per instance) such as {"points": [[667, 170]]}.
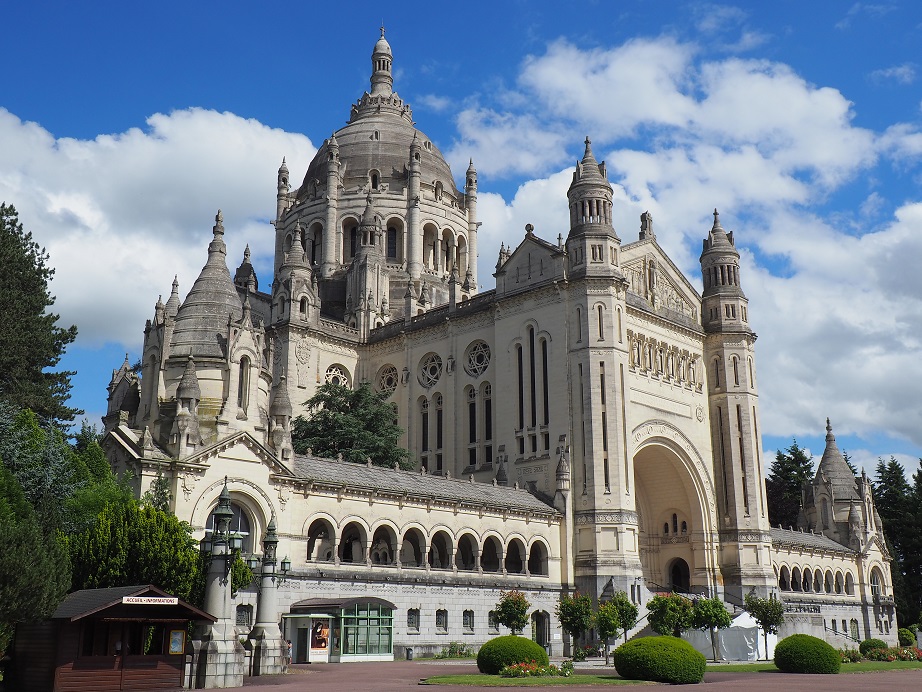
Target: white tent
{"points": [[742, 641]]}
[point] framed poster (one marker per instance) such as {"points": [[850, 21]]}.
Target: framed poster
{"points": [[177, 641]]}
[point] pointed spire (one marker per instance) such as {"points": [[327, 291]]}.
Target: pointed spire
{"points": [[281, 402], [188, 386], [172, 305], [834, 469], [284, 167]]}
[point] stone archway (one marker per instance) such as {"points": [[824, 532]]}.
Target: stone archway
{"points": [[674, 501]]}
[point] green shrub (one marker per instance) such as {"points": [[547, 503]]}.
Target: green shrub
{"points": [[660, 659], [868, 644], [504, 651], [907, 638], [801, 653]]}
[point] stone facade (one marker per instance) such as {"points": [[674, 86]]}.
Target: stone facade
{"points": [[591, 423]]}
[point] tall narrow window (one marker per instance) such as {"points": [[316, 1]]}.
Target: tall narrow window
{"points": [[391, 243], [243, 385], [472, 426], [736, 371], [520, 365], [531, 363], [579, 325], [601, 325], [717, 372], [752, 379], [438, 421], [424, 424], [546, 388]]}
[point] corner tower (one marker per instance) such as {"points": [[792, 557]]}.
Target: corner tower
{"points": [[733, 401]]}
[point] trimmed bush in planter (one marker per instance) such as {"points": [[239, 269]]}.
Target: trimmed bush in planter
{"points": [[801, 653], [868, 644], [660, 659], [505, 651]]}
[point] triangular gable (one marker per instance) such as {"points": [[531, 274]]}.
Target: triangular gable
{"points": [[533, 262], [653, 276], [251, 444]]}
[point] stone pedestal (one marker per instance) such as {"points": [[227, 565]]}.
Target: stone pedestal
{"points": [[270, 651], [218, 657]]}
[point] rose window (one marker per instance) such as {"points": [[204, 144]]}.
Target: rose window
{"points": [[430, 370]]}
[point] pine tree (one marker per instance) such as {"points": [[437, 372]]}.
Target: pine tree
{"points": [[355, 423], [896, 501], [786, 477], [31, 342]]}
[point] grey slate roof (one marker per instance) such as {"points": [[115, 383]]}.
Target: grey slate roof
{"points": [[416, 484], [835, 469], [88, 601], [816, 541]]}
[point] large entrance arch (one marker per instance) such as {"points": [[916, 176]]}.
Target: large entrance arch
{"points": [[673, 498]]}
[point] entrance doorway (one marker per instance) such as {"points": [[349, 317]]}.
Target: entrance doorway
{"points": [[679, 575]]}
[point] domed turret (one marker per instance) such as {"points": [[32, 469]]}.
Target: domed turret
{"points": [[382, 82]]}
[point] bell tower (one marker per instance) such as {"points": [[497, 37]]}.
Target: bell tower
{"points": [[733, 400]]}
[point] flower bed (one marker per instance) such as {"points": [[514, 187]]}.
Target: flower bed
{"points": [[895, 653], [533, 669]]}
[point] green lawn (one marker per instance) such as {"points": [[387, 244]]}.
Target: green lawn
{"points": [[768, 667], [477, 680]]}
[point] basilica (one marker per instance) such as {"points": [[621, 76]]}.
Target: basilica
{"points": [[591, 423]]}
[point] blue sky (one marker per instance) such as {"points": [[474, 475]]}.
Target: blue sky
{"points": [[124, 127]]}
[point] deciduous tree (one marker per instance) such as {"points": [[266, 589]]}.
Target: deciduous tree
{"points": [[710, 614], [607, 623], [512, 610], [768, 612], [670, 615], [575, 614], [627, 612]]}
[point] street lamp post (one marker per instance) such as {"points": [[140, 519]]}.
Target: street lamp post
{"points": [[270, 654]]}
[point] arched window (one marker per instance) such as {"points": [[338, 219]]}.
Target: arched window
{"points": [[303, 307], [876, 583], [736, 371], [243, 385], [391, 242], [752, 378], [579, 325], [717, 372], [601, 323], [675, 523]]}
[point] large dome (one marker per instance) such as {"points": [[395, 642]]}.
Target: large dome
{"points": [[378, 139], [381, 143]]}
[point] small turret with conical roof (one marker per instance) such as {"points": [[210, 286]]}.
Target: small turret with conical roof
{"points": [[835, 471], [185, 437], [284, 186], [245, 276], [280, 412]]}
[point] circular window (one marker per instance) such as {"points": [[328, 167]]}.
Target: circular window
{"points": [[387, 380], [430, 370], [337, 374], [477, 359]]}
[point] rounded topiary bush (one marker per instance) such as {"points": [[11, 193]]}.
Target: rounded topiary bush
{"points": [[906, 636], [801, 653], [660, 659], [504, 651], [869, 644]]}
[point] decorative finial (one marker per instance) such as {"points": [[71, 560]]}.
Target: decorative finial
{"points": [[382, 28], [529, 229]]}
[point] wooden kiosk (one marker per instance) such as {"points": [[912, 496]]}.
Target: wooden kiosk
{"points": [[121, 638]]}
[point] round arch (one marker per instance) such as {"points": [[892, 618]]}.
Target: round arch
{"points": [[673, 491]]}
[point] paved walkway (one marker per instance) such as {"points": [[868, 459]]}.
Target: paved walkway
{"points": [[406, 675]]}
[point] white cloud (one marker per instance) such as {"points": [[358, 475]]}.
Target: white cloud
{"points": [[121, 213], [901, 74], [432, 102]]}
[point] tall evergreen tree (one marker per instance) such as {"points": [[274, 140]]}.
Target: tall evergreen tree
{"points": [[897, 503], [786, 477], [31, 342], [355, 423]]}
